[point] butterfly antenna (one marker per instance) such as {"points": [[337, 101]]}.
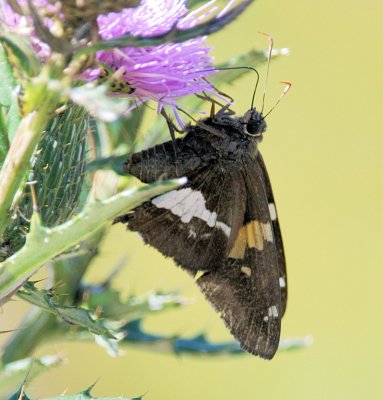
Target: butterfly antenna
{"points": [[255, 88], [235, 68], [285, 90], [270, 50], [256, 83]]}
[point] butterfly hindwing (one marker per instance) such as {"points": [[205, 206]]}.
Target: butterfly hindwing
{"points": [[197, 224], [245, 289]]}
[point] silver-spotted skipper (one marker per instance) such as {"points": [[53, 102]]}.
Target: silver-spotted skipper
{"points": [[222, 226]]}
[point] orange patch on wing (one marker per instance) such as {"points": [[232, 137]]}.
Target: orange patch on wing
{"points": [[255, 235], [250, 235], [239, 248]]}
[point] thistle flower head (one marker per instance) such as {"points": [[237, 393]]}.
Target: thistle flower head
{"points": [[161, 73]]}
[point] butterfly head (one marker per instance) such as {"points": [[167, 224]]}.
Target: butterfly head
{"points": [[254, 123]]}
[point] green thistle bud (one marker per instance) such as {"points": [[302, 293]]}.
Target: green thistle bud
{"points": [[58, 172]]}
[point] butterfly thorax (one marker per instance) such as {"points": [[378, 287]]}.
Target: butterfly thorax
{"points": [[227, 136], [215, 140]]}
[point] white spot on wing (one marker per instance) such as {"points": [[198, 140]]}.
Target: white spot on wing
{"points": [[282, 282], [210, 219], [225, 228], [267, 232], [246, 271], [273, 211], [192, 233], [171, 199], [187, 203], [273, 312]]}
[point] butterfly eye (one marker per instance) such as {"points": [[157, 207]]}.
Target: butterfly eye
{"points": [[255, 126]]}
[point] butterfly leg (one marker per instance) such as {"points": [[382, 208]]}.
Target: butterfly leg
{"points": [[172, 129]]}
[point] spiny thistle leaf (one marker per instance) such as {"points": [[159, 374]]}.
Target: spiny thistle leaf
{"points": [[43, 244], [21, 54], [73, 315], [109, 302], [84, 395], [9, 107], [19, 394], [13, 374], [287, 344], [39, 326], [135, 335]]}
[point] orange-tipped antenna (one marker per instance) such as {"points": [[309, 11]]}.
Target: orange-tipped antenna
{"points": [[270, 50], [285, 90]]}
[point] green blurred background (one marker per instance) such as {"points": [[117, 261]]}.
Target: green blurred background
{"points": [[323, 151]]}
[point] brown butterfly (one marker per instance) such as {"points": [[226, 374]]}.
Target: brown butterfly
{"points": [[222, 226]]}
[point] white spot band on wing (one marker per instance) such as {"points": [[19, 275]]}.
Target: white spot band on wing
{"points": [[273, 312], [187, 203], [267, 231], [273, 211]]}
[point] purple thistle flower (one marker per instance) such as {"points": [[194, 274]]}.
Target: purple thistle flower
{"points": [[161, 73]]}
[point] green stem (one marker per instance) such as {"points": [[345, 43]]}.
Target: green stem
{"points": [[37, 325], [43, 244], [4, 142], [16, 163]]}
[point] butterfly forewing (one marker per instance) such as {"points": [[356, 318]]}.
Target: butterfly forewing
{"points": [[194, 225]]}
